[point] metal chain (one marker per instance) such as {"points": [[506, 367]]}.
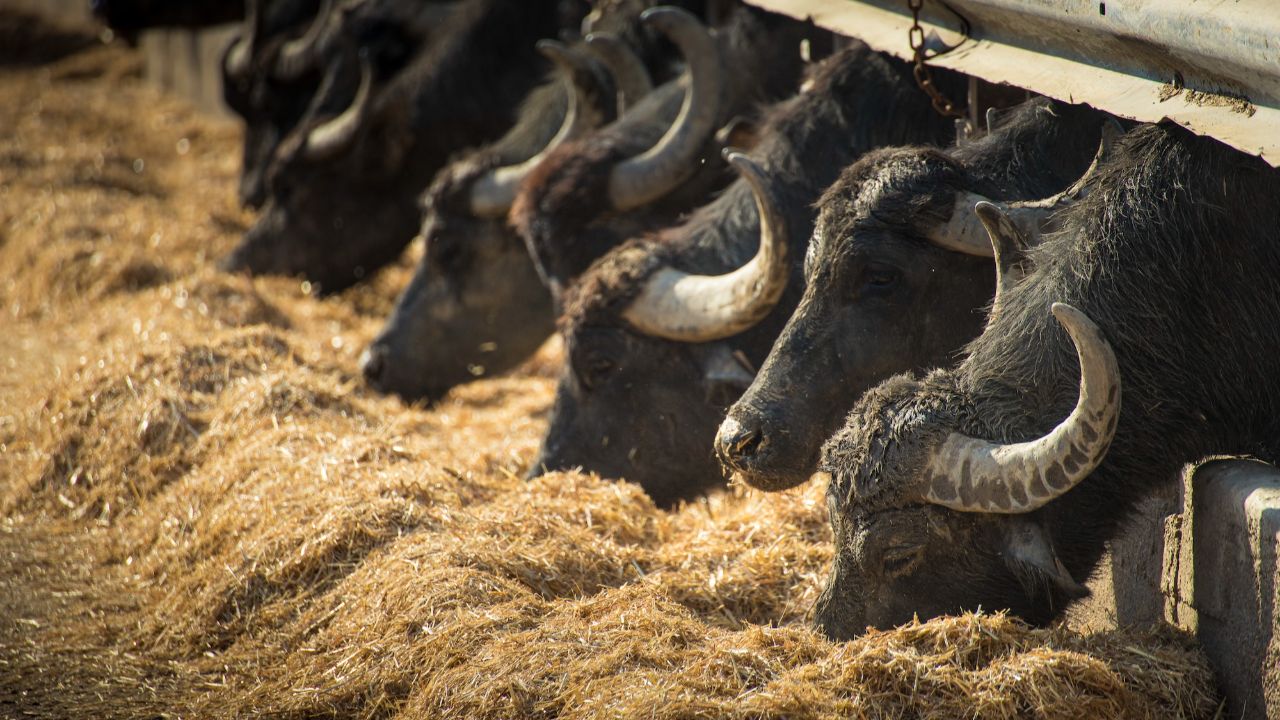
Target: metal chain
{"points": [[915, 38]]}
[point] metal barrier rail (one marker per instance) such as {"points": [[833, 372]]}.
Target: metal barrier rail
{"points": [[1212, 66]]}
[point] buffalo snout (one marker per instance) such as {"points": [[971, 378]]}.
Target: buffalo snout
{"points": [[373, 365], [740, 441]]}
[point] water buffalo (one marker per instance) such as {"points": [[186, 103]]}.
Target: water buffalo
{"points": [[657, 350], [890, 285], [288, 50], [967, 488], [660, 160], [343, 193], [476, 305]]}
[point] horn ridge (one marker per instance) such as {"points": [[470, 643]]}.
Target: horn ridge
{"points": [[1008, 246], [494, 192], [972, 475], [628, 71], [298, 55], [333, 136], [642, 179], [700, 308], [239, 55], [964, 232]]}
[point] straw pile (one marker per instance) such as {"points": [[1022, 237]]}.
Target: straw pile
{"points": [[203, 513]]}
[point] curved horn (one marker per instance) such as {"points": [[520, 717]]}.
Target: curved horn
{"points": [[239, 57], [965, 233], [972, 475], [493, 193], [647, 177], [1036, 215], [299, 54], [701, 308], [628, 71], [1009, 246], [332, 137]]}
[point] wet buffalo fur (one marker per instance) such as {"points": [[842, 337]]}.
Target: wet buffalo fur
{"points": [[337, 221], [1174, 255], [859, 100], [563, 210], [875, 221]]}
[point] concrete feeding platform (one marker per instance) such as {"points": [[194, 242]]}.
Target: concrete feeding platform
{"points": [[1221, 578], [1201, 554]]}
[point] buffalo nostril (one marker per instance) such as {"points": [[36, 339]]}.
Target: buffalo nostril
{"points": [[372, 363], [736, 441]]}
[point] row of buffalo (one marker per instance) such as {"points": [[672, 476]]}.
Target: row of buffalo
{"points": [[771, 258]]}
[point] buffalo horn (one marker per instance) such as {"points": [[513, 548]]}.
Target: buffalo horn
{"points": [[642, 179], [972, 475], [1035, 215], [300, 54], [1009, 246], [493, 192], [629, 73], [965, 233], [701, 308], [326, 140], [240, 55]]}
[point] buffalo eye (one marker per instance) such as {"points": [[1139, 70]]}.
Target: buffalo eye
{"points": [[879, 279], [447, 254], [594, 370], [902, 560]]}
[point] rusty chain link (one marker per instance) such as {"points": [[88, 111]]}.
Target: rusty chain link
{"points": [[916, 39]]}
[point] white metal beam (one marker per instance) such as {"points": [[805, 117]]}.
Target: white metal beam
{"points": [[1212, 66]]}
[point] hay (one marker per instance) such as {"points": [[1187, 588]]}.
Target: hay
{"points": [[204, 513]]}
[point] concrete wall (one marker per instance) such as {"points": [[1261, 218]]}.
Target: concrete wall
{"points": [[1202, 555], [1222, 574]]}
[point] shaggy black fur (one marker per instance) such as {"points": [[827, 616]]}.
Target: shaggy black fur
{"points": [[271, 107], [336, 222], [645, 409], [563, 210], [476, 306], [882, 299], [1174, 255]]}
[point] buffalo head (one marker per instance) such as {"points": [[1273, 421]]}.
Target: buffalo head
{"points": [[658, 345], [930, 517], [476, 305], [899, 277]]}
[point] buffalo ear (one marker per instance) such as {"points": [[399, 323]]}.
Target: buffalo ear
{"points": [[723, 368], [1030, 555]]}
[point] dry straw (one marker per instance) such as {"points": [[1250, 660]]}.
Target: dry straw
{"points": [[205, 514]]}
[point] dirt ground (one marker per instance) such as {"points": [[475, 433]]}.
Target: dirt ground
{"points": [[203, 513]]}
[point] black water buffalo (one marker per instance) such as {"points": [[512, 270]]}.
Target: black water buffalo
{"points": [[661, 159], [657, 350], [286, 68], [891, 286], [343, 192], [967, 488], [476, 305]]}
